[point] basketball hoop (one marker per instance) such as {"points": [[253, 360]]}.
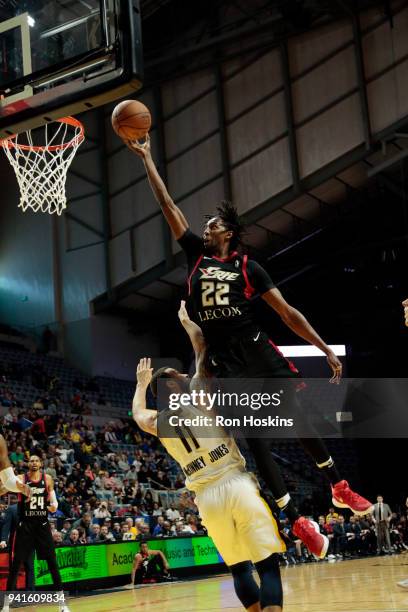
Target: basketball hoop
{"points": [[41, 170]]}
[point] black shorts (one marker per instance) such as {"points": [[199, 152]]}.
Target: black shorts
{"points": [[252, 355], [34, 536]]}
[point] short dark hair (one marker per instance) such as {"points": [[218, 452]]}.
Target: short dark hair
{"points": [[160, 373], [228, 214]]}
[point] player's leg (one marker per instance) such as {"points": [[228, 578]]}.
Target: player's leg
{"points": [[271, 593], [305, 529], [51, 558], [265, 359], [45, 546], [213, 503], [270, 472], [23, 549], [259, 532], [245, 586], [231, 362]]}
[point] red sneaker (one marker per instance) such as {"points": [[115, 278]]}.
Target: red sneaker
{"points": [[308, 531], [344, 497]]}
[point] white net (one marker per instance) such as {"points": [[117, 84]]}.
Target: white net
{"points": [[41, 171]]}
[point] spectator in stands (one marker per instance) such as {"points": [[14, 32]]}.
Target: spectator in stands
{"points": [[17, 455], [144, 531], [340, 537], [116, 531], [332, 515], [131, 473], [162, 479], [158, 529], [73, 538], [82, 536], [130, 522], [193, 524], [50, 469], [122, 462], [66, 528], [106, 535], [85, 522], [143, 475], [84, 490], [396, 533], [180, 529], [201, 529], [327, 530], [353, 532], [172, 513], [112, 507], [65, 454], [148, 502], [367, 534], [186, 502], [95, 535], [157, 509], [101, 511], [89, 473], [38, 428], [58, 538], [126, 534]]}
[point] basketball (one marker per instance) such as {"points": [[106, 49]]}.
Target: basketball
{"points": [[131, 120]]}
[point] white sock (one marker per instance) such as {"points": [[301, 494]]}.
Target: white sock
{"points": [[329, 463], [283, 501]]}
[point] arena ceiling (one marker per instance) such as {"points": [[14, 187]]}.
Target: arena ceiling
{"points": [[180, 36]]}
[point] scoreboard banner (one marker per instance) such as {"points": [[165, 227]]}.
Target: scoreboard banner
{"points": [[91, 561]]}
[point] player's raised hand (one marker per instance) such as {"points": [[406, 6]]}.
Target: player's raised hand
{"points": [[335, 364], [182, 313], [405, 305], [142, 149], [144, 371]]}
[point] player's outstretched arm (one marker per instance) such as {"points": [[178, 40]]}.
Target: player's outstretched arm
{"points": [[298, 323], [146, 419], [174, 217], [195, 334]]}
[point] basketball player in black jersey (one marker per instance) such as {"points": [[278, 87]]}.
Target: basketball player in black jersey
{"points": [[33, 530], [220, 285]]}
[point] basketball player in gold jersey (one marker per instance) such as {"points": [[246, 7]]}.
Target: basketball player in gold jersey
{"points": [[237, 518]]}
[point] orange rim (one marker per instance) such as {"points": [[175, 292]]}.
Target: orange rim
{"points": [[9, 141]]}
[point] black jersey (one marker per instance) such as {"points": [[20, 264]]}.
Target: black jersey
{"points": [[35, 508], [220, 290]]}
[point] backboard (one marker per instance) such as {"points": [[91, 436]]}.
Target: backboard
{"points": [[62, 57]]}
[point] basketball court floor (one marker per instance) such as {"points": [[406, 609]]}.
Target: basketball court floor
{"points": [[363, 585]]}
